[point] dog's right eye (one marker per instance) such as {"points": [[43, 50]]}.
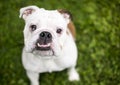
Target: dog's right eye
{"points": [[33, 27]]}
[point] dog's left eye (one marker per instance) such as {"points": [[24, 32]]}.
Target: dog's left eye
{"points": [[59, 30], [33, 27]]}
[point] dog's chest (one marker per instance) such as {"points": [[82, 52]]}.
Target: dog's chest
{"points": [[51, 65]]}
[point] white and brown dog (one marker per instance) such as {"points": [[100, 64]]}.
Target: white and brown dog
{"points": [[49, 42]]}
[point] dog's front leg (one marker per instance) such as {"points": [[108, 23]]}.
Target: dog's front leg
{"points": [[73, 74], [34, 77]]}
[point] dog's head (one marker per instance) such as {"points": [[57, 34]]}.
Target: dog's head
{"points": [[45, 31]]}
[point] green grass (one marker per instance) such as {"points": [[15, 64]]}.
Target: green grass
{"points": [[98, 40]]}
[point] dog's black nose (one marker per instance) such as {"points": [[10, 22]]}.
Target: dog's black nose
{"points": [[45, 37]]}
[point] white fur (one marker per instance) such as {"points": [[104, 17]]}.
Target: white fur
{"points": [[64, 48]]}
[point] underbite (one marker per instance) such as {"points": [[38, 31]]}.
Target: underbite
{"points": [[45, 47]]}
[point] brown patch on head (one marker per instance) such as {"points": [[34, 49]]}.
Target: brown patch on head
{"points": [[72, 29]]}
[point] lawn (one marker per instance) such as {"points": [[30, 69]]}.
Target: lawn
{"points": [[98, 40]]}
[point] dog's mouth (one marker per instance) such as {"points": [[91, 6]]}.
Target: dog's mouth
{"points": [[43, 47], [44, 50]]}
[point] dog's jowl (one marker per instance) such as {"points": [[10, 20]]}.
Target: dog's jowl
{"points": [[49, 39]]}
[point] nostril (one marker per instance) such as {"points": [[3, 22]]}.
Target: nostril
{"points": [[49, 35], [42, 34]]}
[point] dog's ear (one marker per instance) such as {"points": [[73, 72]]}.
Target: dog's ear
{"points": [[66, 14], [26, 11]]}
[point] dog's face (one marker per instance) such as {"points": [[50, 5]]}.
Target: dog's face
{"points": [[45, 31]]}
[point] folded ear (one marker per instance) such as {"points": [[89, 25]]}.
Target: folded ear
{"points": [[26, 11], [66, 14]]}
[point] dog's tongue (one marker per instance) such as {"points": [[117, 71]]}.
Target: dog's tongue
{"points": [[47, 45]]}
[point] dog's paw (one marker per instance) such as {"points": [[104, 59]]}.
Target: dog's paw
{"points": [[73, 75]]}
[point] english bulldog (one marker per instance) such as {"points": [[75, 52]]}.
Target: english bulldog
{"points": [[49, 38]]}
